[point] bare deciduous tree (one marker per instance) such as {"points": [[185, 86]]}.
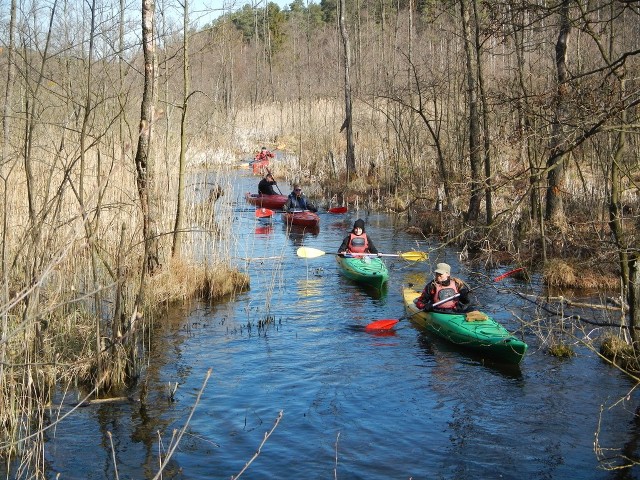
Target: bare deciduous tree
{"points": [[555, 162], [348, 120], [143, 160]]}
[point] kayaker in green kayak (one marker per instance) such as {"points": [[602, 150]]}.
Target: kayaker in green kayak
{"points": [[358, 241], [444, 286]]}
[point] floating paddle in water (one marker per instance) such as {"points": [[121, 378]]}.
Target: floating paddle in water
{"points": [[390, 322], [337, 210], [263, 213], [308, 252]]}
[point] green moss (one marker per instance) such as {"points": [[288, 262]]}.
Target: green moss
{"points": [[561, 350]]}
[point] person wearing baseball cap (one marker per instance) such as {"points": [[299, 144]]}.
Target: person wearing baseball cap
{"points": [[444, 287]]}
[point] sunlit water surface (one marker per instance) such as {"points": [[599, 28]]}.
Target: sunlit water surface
{"points": [[354, 405]]}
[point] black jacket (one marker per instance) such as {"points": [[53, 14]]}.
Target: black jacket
{"points": [[265, 187]]}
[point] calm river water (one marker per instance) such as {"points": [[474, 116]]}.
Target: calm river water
{"points": [[354, 405]]}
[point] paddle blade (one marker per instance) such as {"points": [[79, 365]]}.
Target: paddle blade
{"points": [[505, 275], [415, 256], [338, 210], [264, 213], [308, 252], [385, 324]]}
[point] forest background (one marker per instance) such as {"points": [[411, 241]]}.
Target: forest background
{"points": [[509, 128]]}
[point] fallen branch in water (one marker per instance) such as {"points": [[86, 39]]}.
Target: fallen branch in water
{"points": [[164, 461], [538, 300], [570, 303], [257, 454]]}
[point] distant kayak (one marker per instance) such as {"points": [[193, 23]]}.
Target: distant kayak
{"points": [[303, 218], [258, 166], [366, 270], [473, 330], [274, 202]]}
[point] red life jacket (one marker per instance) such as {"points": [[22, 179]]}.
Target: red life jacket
{"points": [[358, 243], [443, 292]]}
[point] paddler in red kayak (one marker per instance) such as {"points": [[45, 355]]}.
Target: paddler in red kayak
{"points": [[441, 287], [263, 154], [358, 241], [265, 187], [297, 201]]}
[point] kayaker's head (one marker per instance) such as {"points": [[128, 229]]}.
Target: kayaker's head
{"points": [[297, 190], [269, 177], [442, 272], [264, 149], [358, 227]]}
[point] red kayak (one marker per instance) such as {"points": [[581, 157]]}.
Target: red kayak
{"points": [[274, 202], [259, 165], [304, 218]]}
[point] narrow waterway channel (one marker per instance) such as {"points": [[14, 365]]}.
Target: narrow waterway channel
{"points": [[354, 405]]}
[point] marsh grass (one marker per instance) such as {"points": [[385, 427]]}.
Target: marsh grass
{"points": [[620, 353], [567, 273], [72, 280]]}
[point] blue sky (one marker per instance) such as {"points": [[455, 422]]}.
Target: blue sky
{"points": [[203, 11]]}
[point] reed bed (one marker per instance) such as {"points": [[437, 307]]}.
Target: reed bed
{"points": [[74, 311]]}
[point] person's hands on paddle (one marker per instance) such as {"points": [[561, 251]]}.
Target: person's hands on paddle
{"points": [[424, 306], [464, 294]]}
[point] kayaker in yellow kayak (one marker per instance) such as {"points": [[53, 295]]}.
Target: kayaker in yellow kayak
{"points": [[444, 286], [358, 241]]}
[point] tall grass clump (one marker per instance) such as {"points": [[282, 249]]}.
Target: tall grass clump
{"points": [[75, 304]]}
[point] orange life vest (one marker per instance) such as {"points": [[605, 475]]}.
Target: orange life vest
{"points": [[358, 243], [442, 292]]}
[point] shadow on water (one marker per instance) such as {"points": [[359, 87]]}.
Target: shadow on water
{"points": [[297, 234], [371, 291], [435, 347]]}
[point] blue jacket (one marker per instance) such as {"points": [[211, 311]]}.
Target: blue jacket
{"points": [[299, 203]]}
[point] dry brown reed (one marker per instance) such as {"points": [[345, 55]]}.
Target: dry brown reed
{"points": [[69, 307], [620, 353], [183, 281], [567, 274]]}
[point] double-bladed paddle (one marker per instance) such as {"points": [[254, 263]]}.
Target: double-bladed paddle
{"points": [[269, 173], [337, 210], [387, 323], [308, 252], [263, 213]]}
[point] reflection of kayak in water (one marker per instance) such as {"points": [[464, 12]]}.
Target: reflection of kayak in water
{"points": [[264, 229]]}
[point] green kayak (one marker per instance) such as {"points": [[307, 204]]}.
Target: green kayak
{"points": [[474, 330], [364, 269]]}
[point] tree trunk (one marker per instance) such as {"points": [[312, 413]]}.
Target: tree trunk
{"points": [[634, 297], [348, 124], [555, 163], [143, 160], [475, 158], [179, 221], [488, 188], [4, 173]]}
